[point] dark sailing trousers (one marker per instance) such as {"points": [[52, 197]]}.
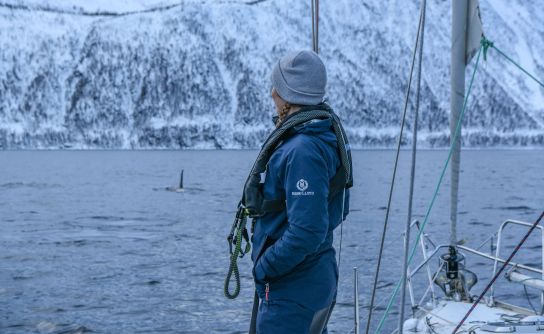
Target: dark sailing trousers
{"points": [[288, 317]]}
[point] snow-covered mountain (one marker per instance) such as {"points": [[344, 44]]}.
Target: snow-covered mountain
{"points": [[194, 74]]}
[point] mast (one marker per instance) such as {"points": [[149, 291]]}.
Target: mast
{"points": [[458, 52]]}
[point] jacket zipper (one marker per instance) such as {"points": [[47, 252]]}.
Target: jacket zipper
{"points": [[266, 291]]}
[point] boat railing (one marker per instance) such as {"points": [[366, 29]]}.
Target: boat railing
{"points": [[528, 268], [425, 240]]}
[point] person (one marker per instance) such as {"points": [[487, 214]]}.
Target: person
{"points": [[295, 269]]}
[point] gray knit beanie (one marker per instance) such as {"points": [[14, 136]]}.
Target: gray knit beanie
{"points": [[300, 77]]}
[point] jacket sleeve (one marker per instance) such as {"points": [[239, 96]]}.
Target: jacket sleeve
{"points": [[306, 184]]}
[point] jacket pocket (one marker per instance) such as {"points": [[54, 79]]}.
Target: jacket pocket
{"points": [[268, 241]]}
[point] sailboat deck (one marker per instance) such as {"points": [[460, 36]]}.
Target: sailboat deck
{"points": [[447, 314]]}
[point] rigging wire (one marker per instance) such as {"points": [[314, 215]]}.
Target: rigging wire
{"points": [[490, 238], [412, 171], [384, 232], [315, 25]]}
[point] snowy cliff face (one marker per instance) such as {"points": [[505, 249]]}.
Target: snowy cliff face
{"points": [[165, 74]]}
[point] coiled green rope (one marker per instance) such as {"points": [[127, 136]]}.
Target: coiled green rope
{"points": [[237, 233]]}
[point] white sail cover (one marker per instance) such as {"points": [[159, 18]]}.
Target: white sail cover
{"points": [[474, 30]]}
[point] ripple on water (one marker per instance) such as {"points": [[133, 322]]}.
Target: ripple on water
{"points": [[208, 274], [76, 243], [52, 328], [176, 190], [114, 218], [73, 329], [31, 185], [103, 234], [476, 223]]}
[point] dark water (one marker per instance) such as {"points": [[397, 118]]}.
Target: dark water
{"points": [[87, 244]]}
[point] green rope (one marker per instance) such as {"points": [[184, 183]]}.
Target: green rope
{"points": [[427, 214], [488, 44], [238, 232]]}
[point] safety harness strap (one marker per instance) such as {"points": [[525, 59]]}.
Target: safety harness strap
{"points": [[273, 205]]}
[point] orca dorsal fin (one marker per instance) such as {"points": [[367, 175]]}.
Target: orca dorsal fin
{"points": [[181, 180]]}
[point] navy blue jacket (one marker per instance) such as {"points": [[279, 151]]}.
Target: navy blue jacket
{"points": [[293, 249]]}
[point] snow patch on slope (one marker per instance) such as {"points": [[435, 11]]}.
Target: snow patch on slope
{"points": [[195, 73]]}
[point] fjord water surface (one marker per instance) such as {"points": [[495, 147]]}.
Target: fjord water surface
{"points": [[91, 241]]}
